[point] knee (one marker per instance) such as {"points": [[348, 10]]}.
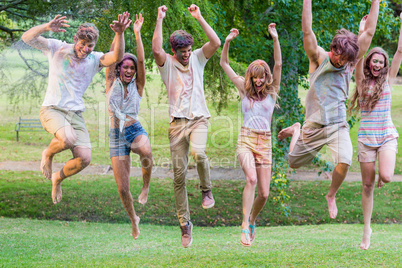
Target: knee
{"points": [[342, 168], [199, 156], [124, 191], [386, 177], [368, 188], [264, 196], [251, 180], [179, 182], [293, 164], [85, 160], [146, 159]]}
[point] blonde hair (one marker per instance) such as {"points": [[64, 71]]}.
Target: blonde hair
{"points": [[259, 68], [368, 102]]}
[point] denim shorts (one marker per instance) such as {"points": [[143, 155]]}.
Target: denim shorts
{"points": [[120, 142]]}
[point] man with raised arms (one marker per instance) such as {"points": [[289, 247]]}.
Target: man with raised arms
{"points": [[71, 69], [183, 74], [330, 74]]}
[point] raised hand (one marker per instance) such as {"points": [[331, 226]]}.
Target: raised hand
{"points": [[162, 12], [195, 11], [233, 34], [122, 23], [139, 20], [272, 30], [363, 23], [55, 24]]}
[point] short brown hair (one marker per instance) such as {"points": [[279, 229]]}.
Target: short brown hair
{"points": [[88, 32], [180, 39], [345, 44]]}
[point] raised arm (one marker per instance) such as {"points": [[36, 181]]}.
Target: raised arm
{"points": [[366, 36], [214, 42], [309, 39], [116, 55], [157, 40], [396, 61], [110, 70], [359, 74], [140, 80], [33, 36], [238, 81], [277, 57]]}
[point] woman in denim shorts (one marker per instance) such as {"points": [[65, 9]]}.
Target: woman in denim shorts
{"points": [[124, 87], [258, 92], [377, 136]]}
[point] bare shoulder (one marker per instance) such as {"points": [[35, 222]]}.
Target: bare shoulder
{"points": [[316, 61]]}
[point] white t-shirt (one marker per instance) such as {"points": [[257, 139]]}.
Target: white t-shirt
{"points": [[185, 86], [258, 114], [69, 77]]}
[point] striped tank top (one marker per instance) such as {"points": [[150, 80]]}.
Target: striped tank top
{"points": [[376, 127]]}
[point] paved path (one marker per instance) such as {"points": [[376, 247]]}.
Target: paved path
{"points": [[161, 172]]}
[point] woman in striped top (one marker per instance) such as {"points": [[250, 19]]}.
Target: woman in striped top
{"points": [[377, 134]]}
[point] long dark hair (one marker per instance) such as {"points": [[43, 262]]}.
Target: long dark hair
{"points": [[369, 102]]}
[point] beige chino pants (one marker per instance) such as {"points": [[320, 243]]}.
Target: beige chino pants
{"points": [[184, 133]]}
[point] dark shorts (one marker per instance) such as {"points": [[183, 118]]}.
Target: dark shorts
{"points": [[120, 142]]}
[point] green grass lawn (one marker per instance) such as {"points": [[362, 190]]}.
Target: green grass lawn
{"points": [[40, 243], [94, 198]]}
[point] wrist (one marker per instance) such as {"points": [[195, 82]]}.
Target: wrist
{"points": [[199, 18]]}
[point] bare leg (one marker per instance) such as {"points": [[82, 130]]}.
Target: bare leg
{"points": [[82, 158], [247, 163], [263, 182], [64, 139], [386, 166], [121, 171], [142, 147], [292, 131], [338, 176], [368, 180]]}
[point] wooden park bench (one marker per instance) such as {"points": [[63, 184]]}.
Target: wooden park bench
{"points": [[28, 125]]}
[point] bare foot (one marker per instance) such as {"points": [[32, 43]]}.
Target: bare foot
{"points": [[380, 183], [366, 239], [56, 189], [289, 131], [332, 209], [143, 198], [46, 165], [136, 230]]}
